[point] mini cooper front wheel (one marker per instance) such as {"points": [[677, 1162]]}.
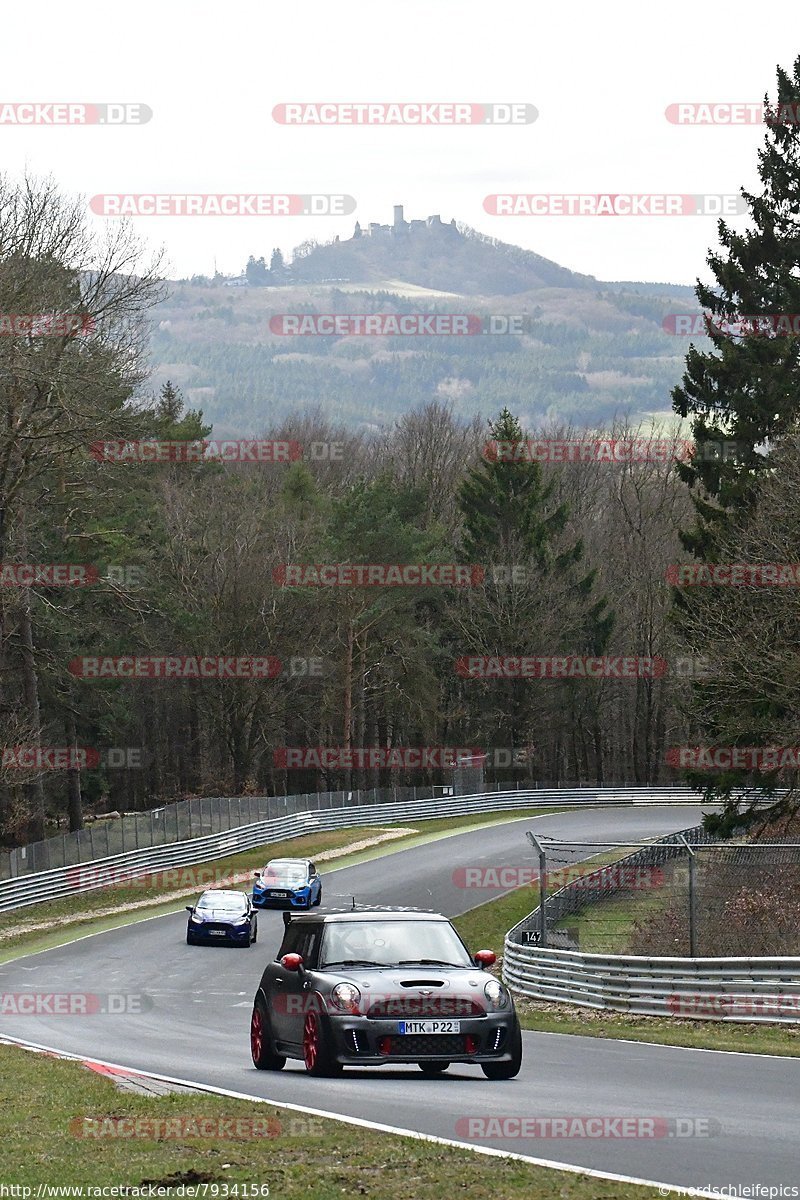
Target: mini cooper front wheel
{"points": [[507, 1070], [317, 1054]]}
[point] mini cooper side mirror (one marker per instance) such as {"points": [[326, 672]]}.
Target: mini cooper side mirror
{"points": [[256, 874], [190, 908], [291, 962], [485, 958]]}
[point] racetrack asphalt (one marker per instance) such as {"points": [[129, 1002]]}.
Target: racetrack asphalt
{"points": [[197, 1029]]}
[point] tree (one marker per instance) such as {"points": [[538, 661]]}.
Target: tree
{"points": [[536, 599], [256, 272], [276, 264], [744, 391]]}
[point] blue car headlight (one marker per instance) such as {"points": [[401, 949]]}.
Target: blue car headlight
{"points": [[195, 920]]}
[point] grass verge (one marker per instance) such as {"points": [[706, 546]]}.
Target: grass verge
{"points": [[302, 1156], [663, 1031], [136, 899]]}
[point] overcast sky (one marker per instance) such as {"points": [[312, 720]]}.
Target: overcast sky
{"points": [[600, 76]]}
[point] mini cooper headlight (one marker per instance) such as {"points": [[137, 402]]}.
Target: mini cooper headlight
{"points": [[345, 997], [496, 994]]}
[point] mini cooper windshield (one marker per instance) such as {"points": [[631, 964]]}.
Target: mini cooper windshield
{"points": [[392, 944]]}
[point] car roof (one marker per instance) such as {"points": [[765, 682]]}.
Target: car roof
{"points": [[303, 862], [360, 914]]}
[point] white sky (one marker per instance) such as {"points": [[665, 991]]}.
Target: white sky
{"points": [[600, 75]]}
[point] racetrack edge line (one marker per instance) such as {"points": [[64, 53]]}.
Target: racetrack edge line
{"points": [[362, 1122]]}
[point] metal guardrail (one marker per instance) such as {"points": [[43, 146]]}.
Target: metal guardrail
{"points": [[726, 989], [765, 989], [35, 888], [185, 819]]}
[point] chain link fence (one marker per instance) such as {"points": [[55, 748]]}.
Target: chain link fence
{"points": [[201, 816], [686, 895]]}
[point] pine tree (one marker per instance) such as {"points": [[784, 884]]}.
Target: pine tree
{"points": [[510, 522], [744, 390]]}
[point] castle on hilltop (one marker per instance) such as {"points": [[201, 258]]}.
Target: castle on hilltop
{"points": [[401, 227]]}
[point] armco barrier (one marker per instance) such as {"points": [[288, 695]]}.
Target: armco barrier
{"points": [[40, 886], [726, 989]]}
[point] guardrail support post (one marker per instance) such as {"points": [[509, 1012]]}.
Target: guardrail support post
{"points": [[537, 845], [692, 899]]}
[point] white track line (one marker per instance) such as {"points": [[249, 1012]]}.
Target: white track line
{"points": [[378, 1127]]}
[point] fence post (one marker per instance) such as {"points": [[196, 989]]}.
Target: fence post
{"points": [[537, 845], [692, 899]]}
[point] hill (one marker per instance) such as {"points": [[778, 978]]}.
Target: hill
{"points": [[578, 349]]}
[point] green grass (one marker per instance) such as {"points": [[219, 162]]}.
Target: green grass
{"points": [[606, 927], [304, 1156], [110, 907], [486, 926], [664, 1031]]}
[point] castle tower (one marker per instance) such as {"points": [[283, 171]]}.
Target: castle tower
{"points": [[398, 216]]}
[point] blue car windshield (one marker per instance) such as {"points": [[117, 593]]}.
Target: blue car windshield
{"points": [[285, 876], [233, 904]]}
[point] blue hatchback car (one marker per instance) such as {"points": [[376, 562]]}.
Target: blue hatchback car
{"points": [[222, 917], [287, 883]]}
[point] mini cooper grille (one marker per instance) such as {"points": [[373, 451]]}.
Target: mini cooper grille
{"points": [[427, 1043], [426, 1006]]}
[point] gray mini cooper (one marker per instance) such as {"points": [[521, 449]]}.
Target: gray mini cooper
{"points": [[375, 988]]}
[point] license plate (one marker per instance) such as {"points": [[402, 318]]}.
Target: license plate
{"points": [[278, 895], [428, 1026], [216, 932]]}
